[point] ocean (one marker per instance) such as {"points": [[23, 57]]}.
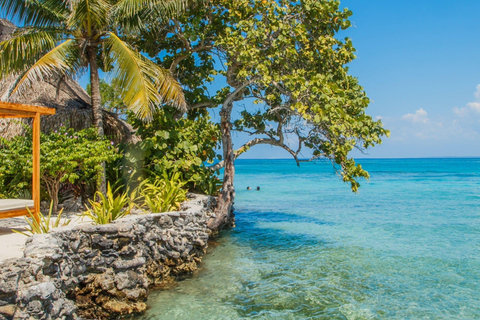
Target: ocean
{"points": [[406, 246]]}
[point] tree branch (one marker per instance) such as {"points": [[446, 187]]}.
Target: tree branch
{"points": [[254, 142], [188, 52], [202, 105]]}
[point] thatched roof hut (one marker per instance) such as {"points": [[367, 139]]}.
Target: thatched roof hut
{"points": [[6, 29], [70, 100]]}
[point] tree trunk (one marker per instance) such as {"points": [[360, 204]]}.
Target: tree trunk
{"points": [[96, 106], [224, 210], [53, 185]]}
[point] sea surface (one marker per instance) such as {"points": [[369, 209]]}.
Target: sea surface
{"points": [[406, 246]]}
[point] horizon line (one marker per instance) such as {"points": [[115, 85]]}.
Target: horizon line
{"points": [[372, 158]]}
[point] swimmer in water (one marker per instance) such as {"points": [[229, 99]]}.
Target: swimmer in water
{"points": [[258, 188], [248, 188]]}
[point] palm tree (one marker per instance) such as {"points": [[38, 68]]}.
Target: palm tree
{"points": [[68, 37]]}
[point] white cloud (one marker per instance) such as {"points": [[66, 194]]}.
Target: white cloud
{"points": [[471, 106], [378, 118], [420, 116], [475, 106], [477, 93]]}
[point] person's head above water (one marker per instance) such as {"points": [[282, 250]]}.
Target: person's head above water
{"points": [[248, 188], [258, 188]]}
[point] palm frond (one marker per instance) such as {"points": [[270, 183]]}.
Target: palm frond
{"points": [[25, 47], [36, 12], [144, 85], [59, 60], [90, 15], [134, 14]]}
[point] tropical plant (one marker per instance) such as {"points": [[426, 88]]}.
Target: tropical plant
{"points": [[287, 57], [110, 207], [164, 194], [211, 185], [182, 146], [111, 99], [69, 156], [44, 224], [15, 167], [65, 38]]}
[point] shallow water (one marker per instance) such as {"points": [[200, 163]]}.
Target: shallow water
{"points": [[305, 247]]}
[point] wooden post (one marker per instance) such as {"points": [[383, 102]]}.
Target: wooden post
{"points": [[36, 166]]}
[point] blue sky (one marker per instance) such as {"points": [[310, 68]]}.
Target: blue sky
{"points": [[419, 62]]}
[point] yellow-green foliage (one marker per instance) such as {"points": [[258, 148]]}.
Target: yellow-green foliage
{"points": [[164, 195], [44, 224], [110, 207], [184, 146]]}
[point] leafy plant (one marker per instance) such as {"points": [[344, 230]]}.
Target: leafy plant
{"points": [[68, 156], [211, 186], [111, 96], [61, 38], [164, 195], [15, 166], [44, 225], [110, 207], [183, 146]]}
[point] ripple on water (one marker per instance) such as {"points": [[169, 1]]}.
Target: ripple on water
{"points": [[406, 247]]}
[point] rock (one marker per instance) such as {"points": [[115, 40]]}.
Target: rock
{"points": [[7, 311], [42, 291], [129, 264], [105, 269]]}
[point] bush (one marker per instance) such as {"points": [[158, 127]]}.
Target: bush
{"points": [[163, 195], [66, 155], [172, 146], [44, 225], [110, 207]]}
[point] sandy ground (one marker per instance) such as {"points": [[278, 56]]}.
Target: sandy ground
{"points": [[12, 244]]}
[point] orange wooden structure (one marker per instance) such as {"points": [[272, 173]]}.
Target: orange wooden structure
{"points": [[13, 208]]}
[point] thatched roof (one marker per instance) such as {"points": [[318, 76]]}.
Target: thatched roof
{"points": [[6, 29], [70, 100]]}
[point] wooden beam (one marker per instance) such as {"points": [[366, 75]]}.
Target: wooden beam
{"points": [[8, 116], [14, 213], [10, 112], [26, 108], [36, 166]]}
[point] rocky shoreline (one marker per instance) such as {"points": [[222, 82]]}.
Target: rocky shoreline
{"points": [[104, 271]]}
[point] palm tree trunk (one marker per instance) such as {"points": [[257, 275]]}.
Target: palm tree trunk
{"points": [[224, 210], [95, 84], [96, 106]]}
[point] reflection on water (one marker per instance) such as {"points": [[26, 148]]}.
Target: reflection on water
{"points": [[405, 247]]}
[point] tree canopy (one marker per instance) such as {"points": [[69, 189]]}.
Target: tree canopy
{"points": [[287, 57], [64, 38]]}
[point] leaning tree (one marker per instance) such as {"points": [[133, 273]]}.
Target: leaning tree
{"points": [[286, 57]]}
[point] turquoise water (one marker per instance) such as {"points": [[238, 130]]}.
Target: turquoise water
{"points": [[407, 246]]}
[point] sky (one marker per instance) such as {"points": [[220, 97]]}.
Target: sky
{"points": [[419, 62]]}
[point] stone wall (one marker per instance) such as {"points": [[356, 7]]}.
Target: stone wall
{"points": [[104, 271]]}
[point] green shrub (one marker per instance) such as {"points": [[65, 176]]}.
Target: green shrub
{"points": [[110, 207], [44, 224], [66, 156], [182, 146], [163, 195]]}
